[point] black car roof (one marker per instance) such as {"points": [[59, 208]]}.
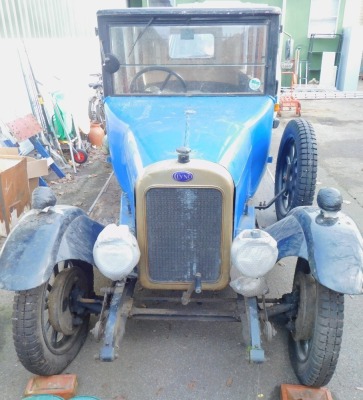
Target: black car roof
{"points": [[194, 11]]}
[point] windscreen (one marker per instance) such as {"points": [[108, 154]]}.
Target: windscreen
{"points": [[195, 59]]}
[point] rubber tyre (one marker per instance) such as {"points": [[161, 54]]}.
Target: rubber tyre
{"points": [[314, 360], [298, 144], [40, 348], [80, 156]]}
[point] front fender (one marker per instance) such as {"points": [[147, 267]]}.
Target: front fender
{"points": [[43, 238], [332, 246]]}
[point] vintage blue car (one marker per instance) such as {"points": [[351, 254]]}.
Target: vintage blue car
{"points": [[190, 104]]}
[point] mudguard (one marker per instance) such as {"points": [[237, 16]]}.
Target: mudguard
{"points": [[43, 238], [333, 246]]}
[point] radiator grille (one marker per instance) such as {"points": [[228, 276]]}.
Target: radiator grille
{"points": [[184, 233]]}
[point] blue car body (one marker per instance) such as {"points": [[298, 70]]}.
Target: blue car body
{"points": [[234, 132]]}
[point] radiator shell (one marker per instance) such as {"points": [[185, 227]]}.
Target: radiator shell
{"points": [[184, 227]]}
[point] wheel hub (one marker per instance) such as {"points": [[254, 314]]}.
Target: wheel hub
{"points": [[67, 283], [304, 323]]}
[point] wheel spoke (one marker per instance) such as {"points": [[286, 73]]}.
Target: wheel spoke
{"points": [[303, 349], [53, 338], [47, 326], [292, 152], [290, 176], [286, 181]]}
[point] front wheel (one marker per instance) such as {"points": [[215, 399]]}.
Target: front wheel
{"points": [[48, 330], [316, 338], [296, 167]]}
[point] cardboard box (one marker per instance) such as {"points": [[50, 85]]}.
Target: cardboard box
{"points": [[14, 191], [35, 168], [19, 176], [9, 151]]}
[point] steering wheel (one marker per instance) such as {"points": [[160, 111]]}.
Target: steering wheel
{"points": [[167, 70]]}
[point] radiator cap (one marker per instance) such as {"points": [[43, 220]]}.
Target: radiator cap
{"points": [[183, 154]]}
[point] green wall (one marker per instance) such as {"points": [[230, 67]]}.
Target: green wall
{"points": [[135, 3], [296, 24]]}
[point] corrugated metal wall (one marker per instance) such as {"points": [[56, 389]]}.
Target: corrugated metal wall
{"points": [[38, 19], [51, 18]]}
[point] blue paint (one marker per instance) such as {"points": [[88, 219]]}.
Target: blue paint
{"points": [[247, 220], [234, 132]]}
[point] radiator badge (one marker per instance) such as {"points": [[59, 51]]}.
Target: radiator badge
{"points": [[182, 176]]}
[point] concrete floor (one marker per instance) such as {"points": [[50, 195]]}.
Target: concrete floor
{"points": [[200, 360]]}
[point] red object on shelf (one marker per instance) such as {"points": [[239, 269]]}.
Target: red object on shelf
{"points": [[300, 392], [59, 385]]}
